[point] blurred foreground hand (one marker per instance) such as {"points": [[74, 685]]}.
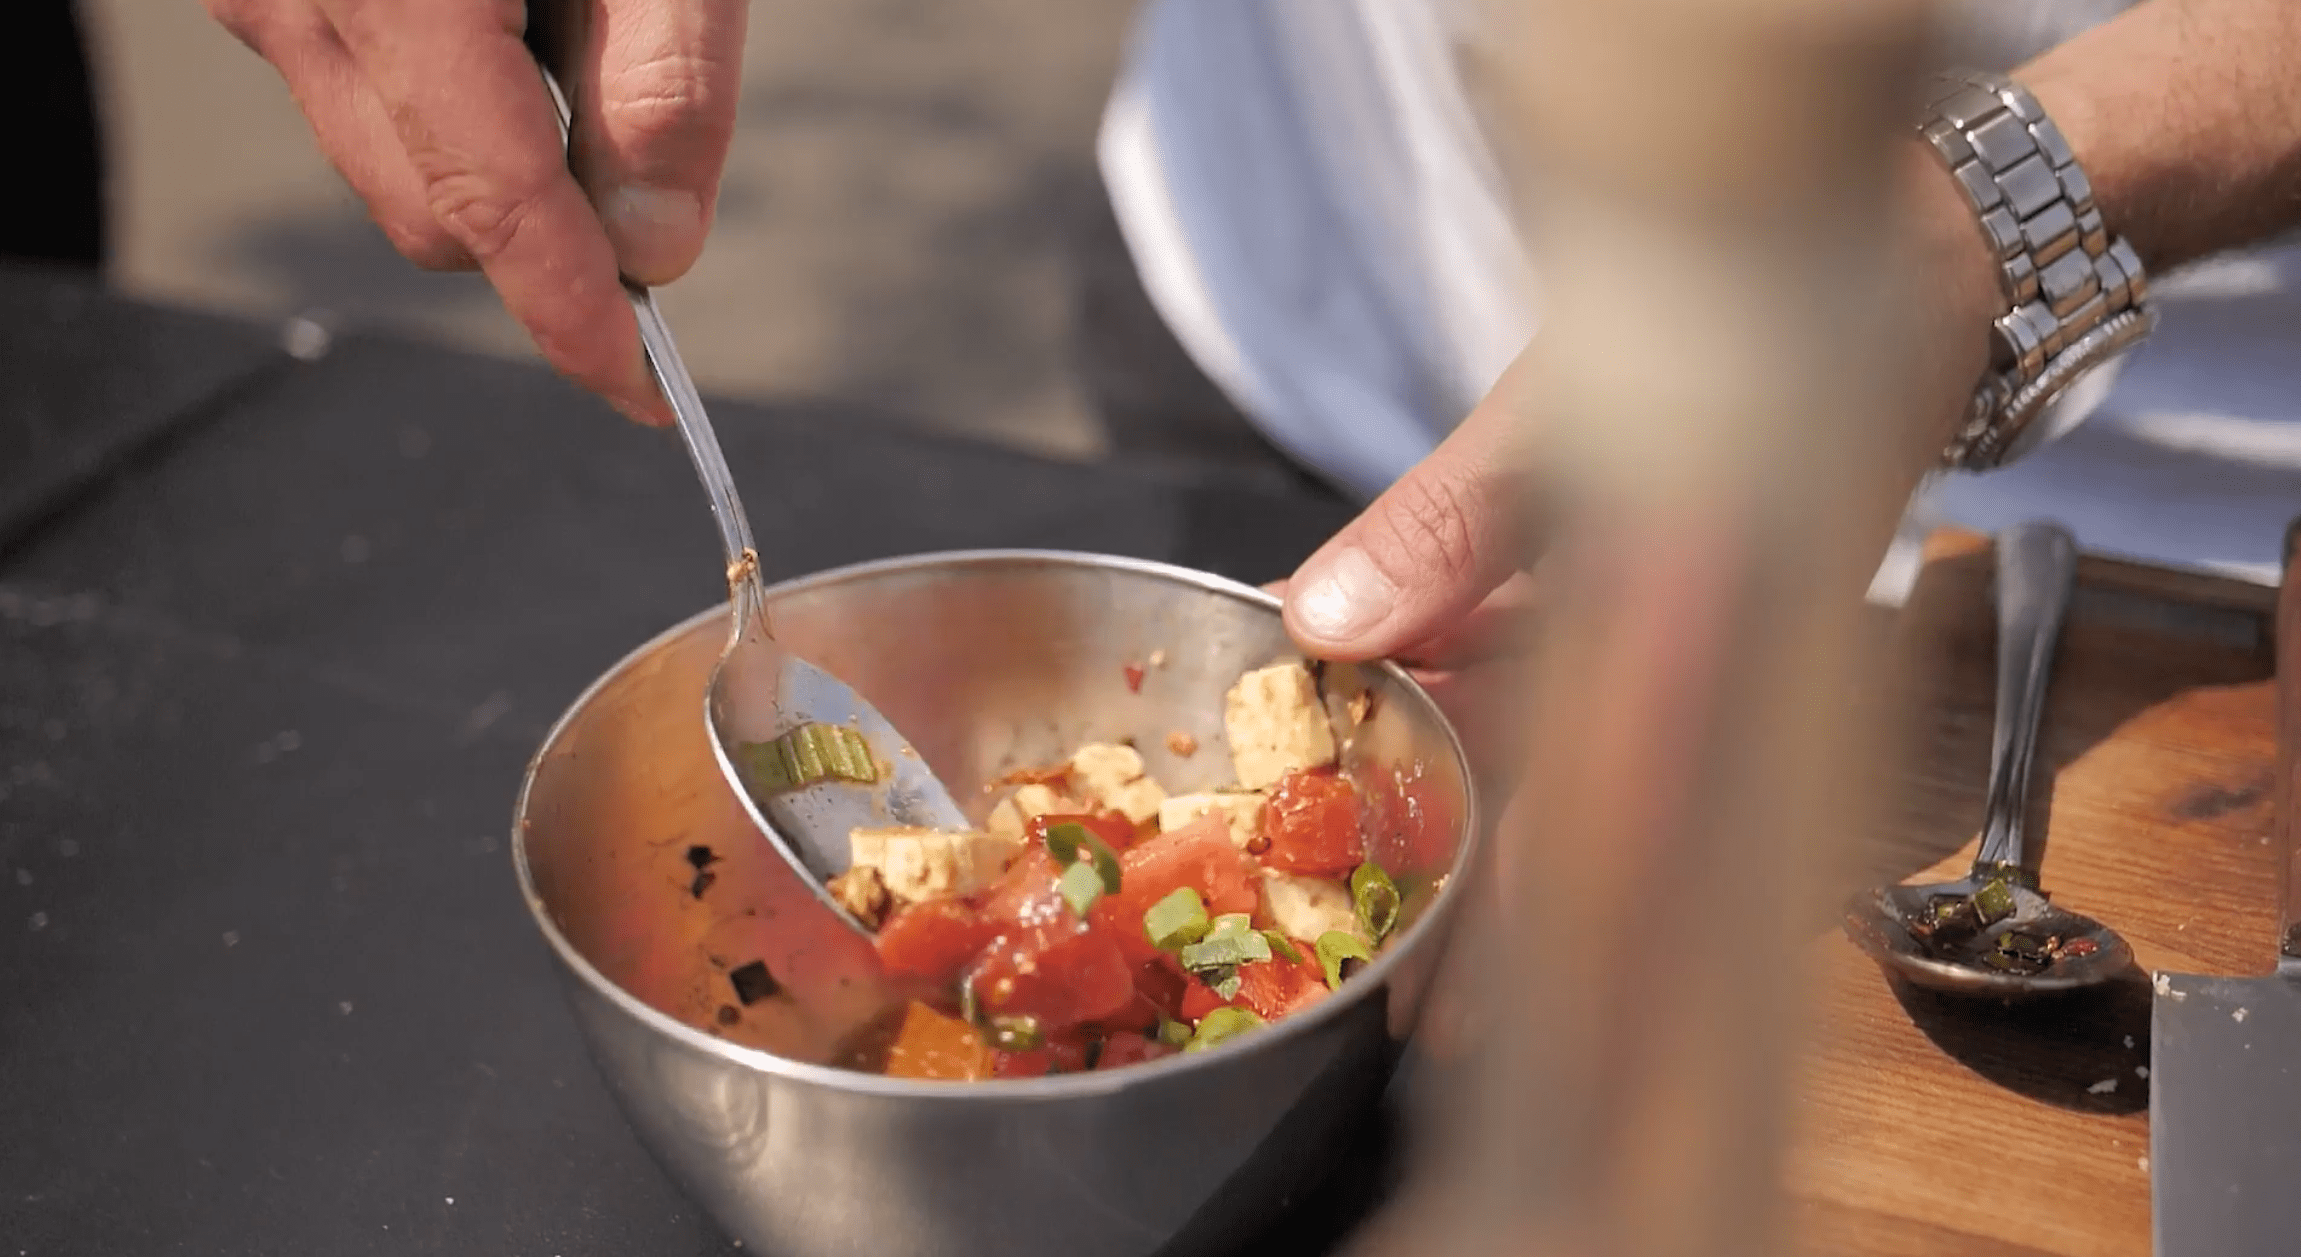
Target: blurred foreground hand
{"points": [[436, 114]]}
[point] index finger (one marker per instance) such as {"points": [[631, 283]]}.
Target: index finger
{"points": [[469, 104]]}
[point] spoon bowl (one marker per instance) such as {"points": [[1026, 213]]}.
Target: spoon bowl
{"points": [[1995, 933], [1895, 925]]}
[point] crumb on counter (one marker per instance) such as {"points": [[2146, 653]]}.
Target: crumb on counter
{"points": [[1276, 723], [1182, 744]]}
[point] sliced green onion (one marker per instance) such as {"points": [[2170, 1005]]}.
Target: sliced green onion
{"points": [[1335, 947], [1226, 983], [1176, 921], [1284, 946], [1994, 901], [1081, 886], [1231, 943], [1171, 1032], [1070, 843], [806, 755], [1016, 1034], [1220, 1026], [1375, 897]]}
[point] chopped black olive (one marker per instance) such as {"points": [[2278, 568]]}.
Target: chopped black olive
{"points": [[702, 857], [753, 983], [728, 1016], [702, 882]]}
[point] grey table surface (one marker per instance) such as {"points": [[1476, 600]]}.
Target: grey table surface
{"points": [[276, 639]]}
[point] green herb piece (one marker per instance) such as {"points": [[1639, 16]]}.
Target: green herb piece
{"points": [[1220, 1026], [1016, 1034], [1335, 948], [1994, 901], [806, 755], [1081, 886], [1177, 920], [1070, 843], [1375, 897], [1226, 984], [1283, 945], [1232, 942], [970, 1009], [1171, 1032]]}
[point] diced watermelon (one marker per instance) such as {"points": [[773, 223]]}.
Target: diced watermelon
{"points": [[934, 940], [1276, 987], [1312, 823], [1410, 827], [1273, 988], [1125, 1048], [1112, 827], [1199, 855]]}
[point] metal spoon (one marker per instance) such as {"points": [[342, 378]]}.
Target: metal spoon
{"points": [[1935, 935], [760, 691]]}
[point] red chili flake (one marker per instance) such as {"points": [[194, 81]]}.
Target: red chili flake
{"points": [[1134, 678]]}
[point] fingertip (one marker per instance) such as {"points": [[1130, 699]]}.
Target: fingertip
{"points": [[1337, 603], [657, 232]]}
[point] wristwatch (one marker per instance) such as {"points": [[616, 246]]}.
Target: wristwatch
{"points": [[2075, 296]]}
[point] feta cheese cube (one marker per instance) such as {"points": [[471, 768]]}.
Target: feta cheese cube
{"points": [[1016, 810], [1276, 724], [1240, 809], [1112, 777], [1306, 907], [917, 864]]}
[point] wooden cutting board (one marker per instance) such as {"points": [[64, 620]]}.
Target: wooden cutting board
{"points": [[2154, 790]]}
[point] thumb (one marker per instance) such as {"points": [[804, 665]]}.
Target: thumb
{"points": [[1428, 550], [653, 123]]}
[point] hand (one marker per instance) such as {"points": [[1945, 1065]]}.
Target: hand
{"points": [[435, 113], [1433, 576]]}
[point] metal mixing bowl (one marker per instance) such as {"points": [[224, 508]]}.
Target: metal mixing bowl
{"points": [[989, 661]]}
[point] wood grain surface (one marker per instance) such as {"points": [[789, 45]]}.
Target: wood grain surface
{"points": [[2155, 788]]}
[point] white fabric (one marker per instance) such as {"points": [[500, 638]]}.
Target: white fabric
{"points": [[1312, 211], [1316, 216]]}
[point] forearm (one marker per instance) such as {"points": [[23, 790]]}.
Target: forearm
{"points": [[2186, 115]]}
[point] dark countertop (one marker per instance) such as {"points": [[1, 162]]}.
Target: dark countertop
{"points": [[276, 640]]}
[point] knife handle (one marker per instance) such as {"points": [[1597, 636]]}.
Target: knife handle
{"points": [[2288, 663]]}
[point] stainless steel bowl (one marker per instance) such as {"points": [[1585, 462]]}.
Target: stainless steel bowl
{"points": [[989, 661]]}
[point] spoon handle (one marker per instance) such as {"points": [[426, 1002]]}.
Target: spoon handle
{"points": [[2036, 566], [678, 387]]}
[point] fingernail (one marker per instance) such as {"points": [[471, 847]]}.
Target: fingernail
{"points": [[1341, 595], [656, 231]]}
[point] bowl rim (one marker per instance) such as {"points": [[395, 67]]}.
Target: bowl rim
{"points": [[1046, 1087]]}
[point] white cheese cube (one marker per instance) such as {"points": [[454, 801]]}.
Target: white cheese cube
{"points": [[1276, 724], [1016, 810], [1306, 907], [1241, 809], [1111, 776], [921, 864]]}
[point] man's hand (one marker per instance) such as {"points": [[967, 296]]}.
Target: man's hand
{"points": [[1415, 564], [437, 115]]}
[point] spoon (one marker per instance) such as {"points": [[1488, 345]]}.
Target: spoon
{"points": [[809, 758], [1993, 932]]}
